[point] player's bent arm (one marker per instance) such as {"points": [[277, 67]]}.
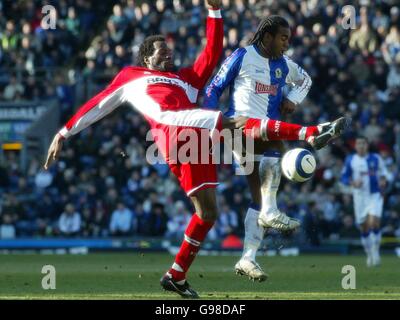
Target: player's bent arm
{"points": [[300, 80], [224, 78], [383, 171]]}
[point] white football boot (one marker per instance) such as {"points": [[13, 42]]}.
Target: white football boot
{"points": [[251, 269], [278, 220]]}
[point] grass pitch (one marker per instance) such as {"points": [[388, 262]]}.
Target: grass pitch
{"points": [[136, 276]]}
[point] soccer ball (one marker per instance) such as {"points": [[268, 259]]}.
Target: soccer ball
{"points": [[298, 165]]}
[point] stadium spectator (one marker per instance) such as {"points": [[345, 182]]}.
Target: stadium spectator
{"points": [[7, 228], [142, 221], [14, 90], [351, 80], [311, 224], [121, 221], [227, 222], [348, 229], [178, 222], [158, 220], [364, 38], [69, 223]]}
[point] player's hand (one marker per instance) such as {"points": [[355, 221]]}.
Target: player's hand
{"points": [[287, 107], [357, 184], [382, 183], [54, 150], [216, 4], [240, 122]]}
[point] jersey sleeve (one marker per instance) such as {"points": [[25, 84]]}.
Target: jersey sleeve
{"points": [[202, 69], [347, 171], [299, 80], [383, 171], [224, 78], [96, 108]]}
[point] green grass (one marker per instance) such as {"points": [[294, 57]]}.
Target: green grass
{"points": [[136, 276]]}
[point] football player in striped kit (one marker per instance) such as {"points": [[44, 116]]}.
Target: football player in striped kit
{"points": [[368, 176], [259, 76]]}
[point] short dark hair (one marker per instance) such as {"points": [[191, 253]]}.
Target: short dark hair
{"points": [[361, 137], [147, 48], [271, 25]]}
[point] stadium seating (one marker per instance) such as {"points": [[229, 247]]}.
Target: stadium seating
{"points": [[355, 73]]}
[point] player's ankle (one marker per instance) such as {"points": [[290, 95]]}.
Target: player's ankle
{"points": [[253, 128], [270, 212], [177, 275], [311, 132]]}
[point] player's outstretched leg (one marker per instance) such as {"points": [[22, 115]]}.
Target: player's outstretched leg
{"points": [[318, 136]]}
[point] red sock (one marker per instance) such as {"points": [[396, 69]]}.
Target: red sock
{"points": [[268, 129], [195, 233]]}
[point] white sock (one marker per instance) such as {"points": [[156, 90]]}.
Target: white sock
{"points": [[375, 238], [270, 176], [253, 235], [367, 243]]}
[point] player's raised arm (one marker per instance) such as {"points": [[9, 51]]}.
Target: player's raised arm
{"points": [[93, 110], [224, 78], [203, 67]]}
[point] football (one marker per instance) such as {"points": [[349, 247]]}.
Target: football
{"points": [[298, 165]]}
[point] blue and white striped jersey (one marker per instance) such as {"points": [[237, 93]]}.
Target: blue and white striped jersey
{"points": [[257, 83], [368, 169]]}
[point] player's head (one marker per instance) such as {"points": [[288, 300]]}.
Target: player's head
{"points": [[155, 54], [272, 36], [361, 145]]}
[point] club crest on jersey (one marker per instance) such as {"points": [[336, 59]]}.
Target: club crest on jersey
{"points": [[266, 88], [278, 73]]}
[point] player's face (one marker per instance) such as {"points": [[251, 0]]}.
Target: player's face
{"points": [[361, 146], [279, 44], [161, 60]]}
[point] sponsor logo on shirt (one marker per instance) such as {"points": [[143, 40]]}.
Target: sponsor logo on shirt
{"points": [[153, 80], [266, 88]]}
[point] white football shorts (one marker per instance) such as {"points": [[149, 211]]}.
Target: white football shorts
{"points": [[367, 204]]}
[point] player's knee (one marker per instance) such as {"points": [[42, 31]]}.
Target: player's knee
{"points": [[364, 227], [208, 212]]}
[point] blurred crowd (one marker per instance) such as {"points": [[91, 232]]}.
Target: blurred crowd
{"points": [[103, 186]]}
